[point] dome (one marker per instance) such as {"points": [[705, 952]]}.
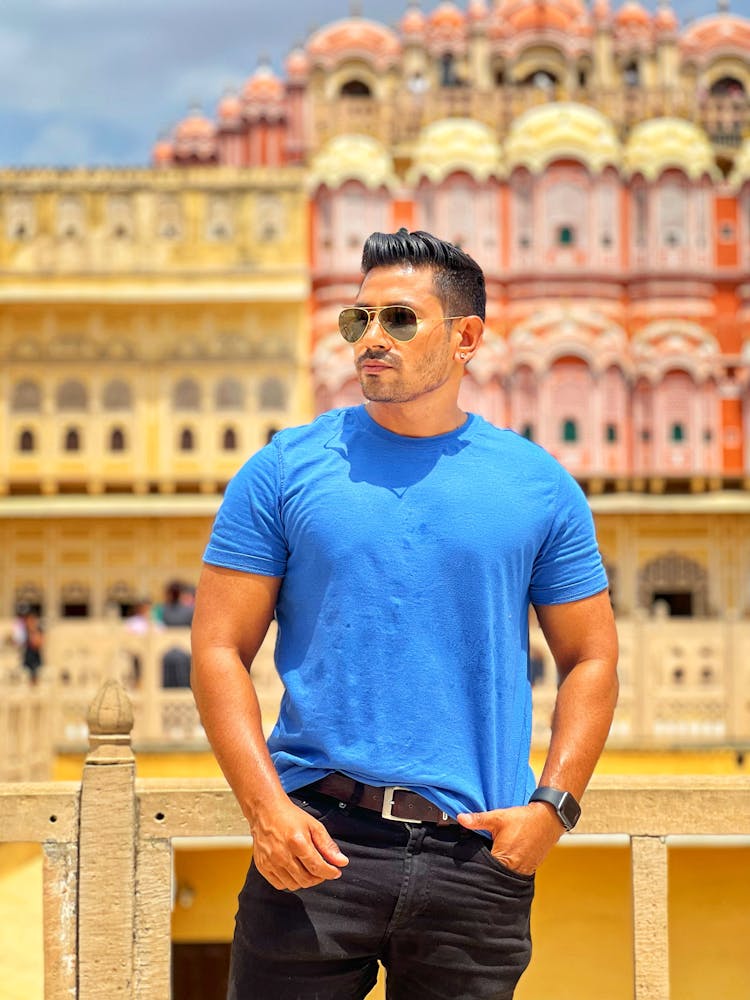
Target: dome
{"points": [[413, 22], [632, 16], [562, 131], [665, 20], [352, 158], [263, 87], [477, 10], [162, 154], [297, 64], [447, 17], [718, 33], [601, 10], [456, 144], [354, 37], [562, 15], [195, 128], [656, 145], [229, 109]]}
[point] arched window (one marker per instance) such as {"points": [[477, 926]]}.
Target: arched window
{"points": [[117, 439], [677, 433], [448, 74], [72, 395], [72, 440], [272, 394], [26, 397], [355, 88], [270, 433], [117, 395], [728, 86], [570, 431], [230, 395], [631, 74], [610, 433], [566, 236], [187, 439], [186, 395], [229, 439], [527, 431], [26, 442]]}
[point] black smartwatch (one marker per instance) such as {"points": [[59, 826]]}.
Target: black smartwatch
{"points": [[564, 804]]}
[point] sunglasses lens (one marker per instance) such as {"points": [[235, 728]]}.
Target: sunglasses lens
{"points": [[353, 323], [399, 322]]}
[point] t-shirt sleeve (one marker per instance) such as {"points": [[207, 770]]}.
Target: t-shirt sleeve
{"points": [[247, 533], [568, 566]]}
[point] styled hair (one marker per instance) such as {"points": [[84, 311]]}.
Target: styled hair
{"points": [[458, 279]]}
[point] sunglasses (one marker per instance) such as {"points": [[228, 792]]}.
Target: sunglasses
{"points": [[399, 322]]}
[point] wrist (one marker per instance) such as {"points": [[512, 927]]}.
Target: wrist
{"points": [[561, 803]]}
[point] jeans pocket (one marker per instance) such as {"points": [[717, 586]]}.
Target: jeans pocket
{"points": [[486, 854], [320, 807]]}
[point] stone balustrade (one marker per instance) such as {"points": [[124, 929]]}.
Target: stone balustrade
{"points": [[107, 844]]}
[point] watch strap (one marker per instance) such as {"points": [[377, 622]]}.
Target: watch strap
{"points": [[564, 804]]}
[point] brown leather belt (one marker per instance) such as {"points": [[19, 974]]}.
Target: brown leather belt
{"points": [[392, 802]]}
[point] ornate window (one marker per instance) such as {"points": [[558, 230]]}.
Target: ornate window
{"points": [[229, 439], [187, 440], [186, 395], [610, 433], [677, 433], [230, 395], [117, 395], [26, 397], [355, 88], [72, 395], [569, 431], [26, 441], [117, 439], [72, 439], [272, 394]]}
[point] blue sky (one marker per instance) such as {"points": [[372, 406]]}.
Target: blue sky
{"points": [[94, 82]]}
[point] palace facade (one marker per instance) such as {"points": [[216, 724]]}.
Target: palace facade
{"points": [[159, 324]]}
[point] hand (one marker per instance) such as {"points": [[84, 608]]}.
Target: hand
{"points": [[292, 850], [521, 836]]}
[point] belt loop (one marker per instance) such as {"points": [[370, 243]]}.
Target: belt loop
{"points": [[356, 797]]}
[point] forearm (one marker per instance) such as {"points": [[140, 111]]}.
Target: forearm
{"points": [[231, 715], [583, 714]]}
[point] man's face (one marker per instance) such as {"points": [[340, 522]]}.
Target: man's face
{"points": [[391, 371]]}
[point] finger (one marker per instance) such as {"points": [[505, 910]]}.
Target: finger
{"points": [[479, 821], [328, 847]]}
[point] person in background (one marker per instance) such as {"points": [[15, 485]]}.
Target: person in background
{"points": [[32, 645]]}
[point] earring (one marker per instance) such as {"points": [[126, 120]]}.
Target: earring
{"points": [[463, 356]]}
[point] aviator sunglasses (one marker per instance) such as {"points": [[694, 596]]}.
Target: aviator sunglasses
{"points": [[399, 322]]}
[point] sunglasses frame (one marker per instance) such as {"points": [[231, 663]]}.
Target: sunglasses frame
{"points": [[373, 311]]}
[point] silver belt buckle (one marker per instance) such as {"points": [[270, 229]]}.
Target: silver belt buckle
{"points": [[386, 812]]}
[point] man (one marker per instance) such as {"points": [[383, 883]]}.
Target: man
{"points": [[399, 545]]}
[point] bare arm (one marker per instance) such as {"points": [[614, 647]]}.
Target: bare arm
{"points": [[232, 614], [583, 641]]}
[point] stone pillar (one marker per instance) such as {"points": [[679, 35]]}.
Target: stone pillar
{"points": [[106, 915], [650, 927]]}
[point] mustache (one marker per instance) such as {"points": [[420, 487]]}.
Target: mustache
{"points": [[375, 355]]}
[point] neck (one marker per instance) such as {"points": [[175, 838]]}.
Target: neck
{"points": [[413, 419]]}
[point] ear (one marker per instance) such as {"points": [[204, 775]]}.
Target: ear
{"points": [[470, 330]]}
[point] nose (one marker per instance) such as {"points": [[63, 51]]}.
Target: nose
{"points": [[375, 334]]}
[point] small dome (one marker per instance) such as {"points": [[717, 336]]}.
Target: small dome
{"points": [[196, 127], [229, 109], [663, 143], [356, 36], [632, 16], [601, 10], [413, 22], [263, 87], [297, 64], [477, 10], [162, 154], [447, 17], [564, 130], [665, 20], [456, 144]]}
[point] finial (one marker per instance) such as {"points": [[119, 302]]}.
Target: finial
{"points": [[110, 723], [355, 8], [723, 6]]}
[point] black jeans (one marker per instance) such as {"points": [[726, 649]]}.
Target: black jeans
{"points": [[446, 919]]}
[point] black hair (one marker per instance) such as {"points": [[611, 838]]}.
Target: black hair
{"points": [[459, 280]]}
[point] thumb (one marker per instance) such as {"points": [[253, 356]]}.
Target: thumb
{"points": [[328, 848], [478, 821]]}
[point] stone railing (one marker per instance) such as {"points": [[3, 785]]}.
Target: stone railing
{"points": [[683, 683], [107, 846]]}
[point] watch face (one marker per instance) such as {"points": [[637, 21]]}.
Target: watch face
{"points": [[569, 810]]}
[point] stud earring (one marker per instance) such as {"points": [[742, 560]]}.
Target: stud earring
{"points": [[463, 356]]}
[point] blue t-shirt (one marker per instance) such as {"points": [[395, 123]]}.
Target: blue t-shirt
{"points": [[408, 566]]}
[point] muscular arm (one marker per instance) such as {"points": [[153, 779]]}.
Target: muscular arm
{"points": [[232, 614], [583, 641]]}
